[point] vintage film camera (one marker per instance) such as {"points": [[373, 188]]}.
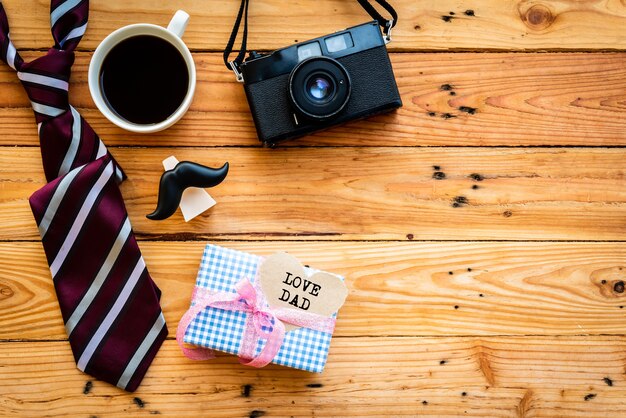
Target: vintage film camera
{"points": [[319, 83]]}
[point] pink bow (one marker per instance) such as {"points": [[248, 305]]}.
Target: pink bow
{"points": [[262, 322]]}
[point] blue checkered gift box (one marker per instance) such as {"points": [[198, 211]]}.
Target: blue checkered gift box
{"points": [[220, 269]]}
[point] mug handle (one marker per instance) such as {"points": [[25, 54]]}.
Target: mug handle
{"points": [[178, 24]]}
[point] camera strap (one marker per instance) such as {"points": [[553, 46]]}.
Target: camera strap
{"points": [[385, 24], [242, 15], [234, 64]]}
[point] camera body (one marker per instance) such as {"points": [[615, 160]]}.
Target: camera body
{"points": [[320, 83]]}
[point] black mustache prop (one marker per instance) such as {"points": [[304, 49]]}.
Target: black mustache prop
{"points": [[174, 182]]}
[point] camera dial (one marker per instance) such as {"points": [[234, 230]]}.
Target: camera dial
{"points": [[254, 55], [319, 87]]}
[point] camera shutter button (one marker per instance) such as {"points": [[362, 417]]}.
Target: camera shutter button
{"points": [[254, 55]]}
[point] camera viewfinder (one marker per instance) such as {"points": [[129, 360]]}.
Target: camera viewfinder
{"points": [[309, 50], [339, 42]]}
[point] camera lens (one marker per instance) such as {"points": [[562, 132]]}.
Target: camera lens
{"points": [[319, 88]]}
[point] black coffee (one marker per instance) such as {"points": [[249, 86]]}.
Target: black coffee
{"points": [[144, 79]]}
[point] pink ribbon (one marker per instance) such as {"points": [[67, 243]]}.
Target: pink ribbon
{"points": [[262, 322]]}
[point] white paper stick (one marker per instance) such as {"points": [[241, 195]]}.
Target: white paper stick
{"points": [[195, 200]]}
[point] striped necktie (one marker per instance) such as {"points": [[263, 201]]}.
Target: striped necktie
{"points": [[109, 303]]}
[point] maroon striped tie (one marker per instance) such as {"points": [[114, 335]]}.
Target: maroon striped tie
{"points": [[109, 303]]}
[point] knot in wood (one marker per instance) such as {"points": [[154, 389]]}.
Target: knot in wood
{"points": [[5, 291], [610, 281], [538, 17]]}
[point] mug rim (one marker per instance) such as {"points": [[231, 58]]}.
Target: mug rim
{"points": [[115, 38]]}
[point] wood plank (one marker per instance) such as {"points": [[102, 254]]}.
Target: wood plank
{"points": [[501, 377], [498, 99], [365, 193], [495, 24], [396, 288]]}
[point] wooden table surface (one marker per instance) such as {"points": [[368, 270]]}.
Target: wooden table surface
{"points": [[480, 227]]}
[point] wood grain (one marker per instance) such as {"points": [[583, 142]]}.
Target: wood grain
{"points": [[495, 24], [494, 99], [519, 328], [532, 377], [365, 193], [395, 288]]}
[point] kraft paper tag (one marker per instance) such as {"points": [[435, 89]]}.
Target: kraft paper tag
{"points": [[285, 284]]}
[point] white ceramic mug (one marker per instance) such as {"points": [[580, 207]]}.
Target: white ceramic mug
{"points": [[173, 35]]}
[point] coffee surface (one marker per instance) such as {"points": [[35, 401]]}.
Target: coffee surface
{"points": [[144, 79]]}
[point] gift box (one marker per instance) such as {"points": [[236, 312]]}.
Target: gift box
{"points": [[221, 269]]}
